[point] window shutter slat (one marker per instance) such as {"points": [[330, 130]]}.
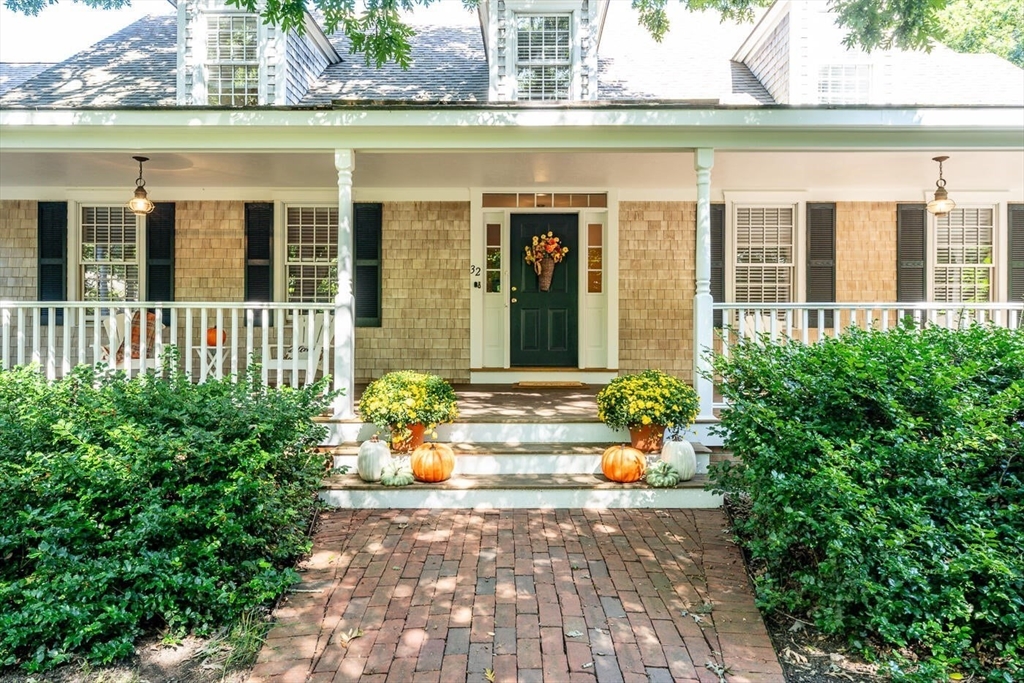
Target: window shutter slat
{"points": [[369, 219], [52, 227], [160, 255], [259, 230], [911, 267], [821, 259], [718, 258], [1016, 267]]}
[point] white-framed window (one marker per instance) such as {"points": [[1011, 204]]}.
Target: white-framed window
{"points": [[543, 56], [232, 60], [764, 245], [844, 83], [311, 248], [963, 264], [109, 254]]}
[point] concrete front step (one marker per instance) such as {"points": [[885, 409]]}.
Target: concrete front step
{"points": [[516, 491], [527, 458]]}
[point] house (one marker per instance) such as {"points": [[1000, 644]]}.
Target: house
{"points": [[330, 217]]}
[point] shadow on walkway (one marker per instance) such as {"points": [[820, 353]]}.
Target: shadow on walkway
{"points": [[558, 596]]}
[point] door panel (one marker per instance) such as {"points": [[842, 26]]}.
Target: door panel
{"points": [[543, 324]]}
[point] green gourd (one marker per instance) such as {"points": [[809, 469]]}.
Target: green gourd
{"points": [[397, 473], [661, 475]]}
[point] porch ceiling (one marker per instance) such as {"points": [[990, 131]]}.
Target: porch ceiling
{"points": [[23, 174]]}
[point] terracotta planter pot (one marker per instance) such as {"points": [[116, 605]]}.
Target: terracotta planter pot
{"points": [[406, 441], [647, 438]]}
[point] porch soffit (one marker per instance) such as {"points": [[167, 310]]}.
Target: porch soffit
{"points": [[540, 129]]}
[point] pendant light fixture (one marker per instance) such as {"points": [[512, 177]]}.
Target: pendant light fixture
{"points": [[942, 204], [140, 204]]}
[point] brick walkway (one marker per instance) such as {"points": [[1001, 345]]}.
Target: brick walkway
{"points": [[592, 596]]}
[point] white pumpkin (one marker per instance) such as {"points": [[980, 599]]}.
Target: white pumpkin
{"points": [[679, 454], [373, 456]]}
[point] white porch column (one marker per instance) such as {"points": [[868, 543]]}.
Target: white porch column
{"points": [[344, 301], [703, 315]]}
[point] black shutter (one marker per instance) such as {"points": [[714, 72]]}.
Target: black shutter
{"points": [[52, 225], [821, 259], [911, 266], [160, 256], [369, 220], [718, 258], [1015, 214], [259, 232]]}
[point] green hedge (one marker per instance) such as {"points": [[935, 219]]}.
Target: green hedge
{"points": [[136, 505], [885, 471]]}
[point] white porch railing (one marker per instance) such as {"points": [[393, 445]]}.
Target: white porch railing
{"points": [[809, 322], [294, 343]]}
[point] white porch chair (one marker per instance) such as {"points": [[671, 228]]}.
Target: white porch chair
{"points": [[122, 344], [296, 354]]}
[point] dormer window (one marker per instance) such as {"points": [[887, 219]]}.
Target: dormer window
{"points": [[844, 84], [543, 52], [232, 60]]}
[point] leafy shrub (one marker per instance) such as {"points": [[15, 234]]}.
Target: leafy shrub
{"points": [[886, 477], [133, 505]]}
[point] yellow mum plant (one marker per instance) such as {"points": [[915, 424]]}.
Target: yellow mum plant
{"points": [[648, 397], [399, 399]]}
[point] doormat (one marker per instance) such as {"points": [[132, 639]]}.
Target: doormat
{"points": [[549, 385]]}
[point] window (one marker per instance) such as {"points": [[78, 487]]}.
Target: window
{"points": [[844, 84], [595, 258], [311, 257], [109, 254], [543, 57], [963, 267], [233, 72], [764, 239], [492, 273], [312, 253]]}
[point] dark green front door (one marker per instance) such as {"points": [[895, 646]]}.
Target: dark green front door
{"points": [[543, 325]]}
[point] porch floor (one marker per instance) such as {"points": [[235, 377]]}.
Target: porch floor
{"points": [[505, 403]]}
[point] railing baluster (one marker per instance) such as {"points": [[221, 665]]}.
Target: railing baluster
{"points": [[188, 342], [234, 343], [265, 341], [219, 349], [5, 338]]}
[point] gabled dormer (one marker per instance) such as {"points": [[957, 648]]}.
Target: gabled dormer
{"points": [[230, 58], [542, 50]]}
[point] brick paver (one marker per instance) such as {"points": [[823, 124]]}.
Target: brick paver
{"points": [[530, 595]]}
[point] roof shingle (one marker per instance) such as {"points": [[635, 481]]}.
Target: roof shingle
{"points": [[135, 67]]}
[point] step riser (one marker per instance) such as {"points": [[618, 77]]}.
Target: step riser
{"points": [[489, 432], [523, 463], [522, 499]]}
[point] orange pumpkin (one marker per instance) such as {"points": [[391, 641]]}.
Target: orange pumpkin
{"points": [[211, 336], [432, 462], [623, 464]]}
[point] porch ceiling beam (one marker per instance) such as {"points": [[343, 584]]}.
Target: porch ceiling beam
{"points": [[410, 129], [168, 139]]}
